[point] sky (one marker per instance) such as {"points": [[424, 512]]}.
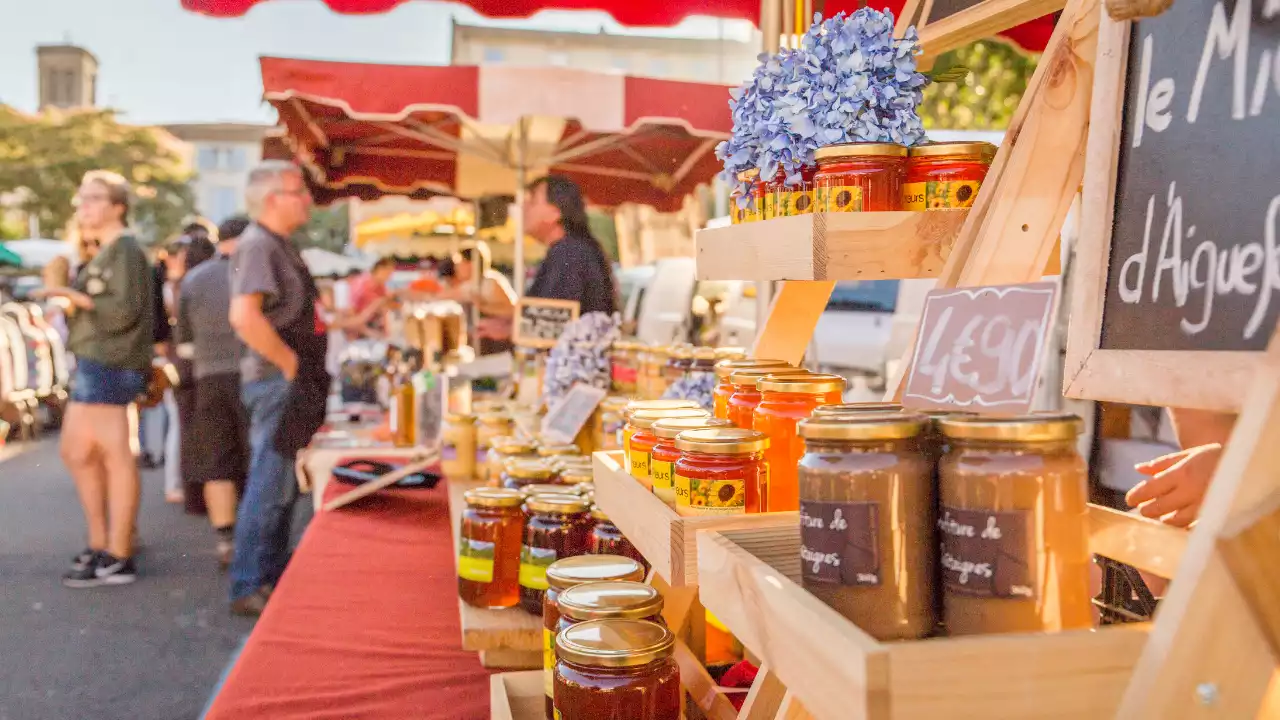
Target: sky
{"points": [[160, 64]]}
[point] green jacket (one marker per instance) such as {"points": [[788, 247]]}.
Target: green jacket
{"points": [[120, 329]]}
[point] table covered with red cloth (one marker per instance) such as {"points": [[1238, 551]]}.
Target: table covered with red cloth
{"points": [[364, 623]]}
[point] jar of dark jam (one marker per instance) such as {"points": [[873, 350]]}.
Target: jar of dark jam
{"points": [[519, 473], [617, 669], [490, 535], [559, 527], [607, 539]]}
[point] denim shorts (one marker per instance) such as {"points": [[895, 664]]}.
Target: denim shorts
{"points": [[99, 384]]}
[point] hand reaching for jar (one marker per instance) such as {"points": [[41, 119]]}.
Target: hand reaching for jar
{"points": [[1177, 485]]}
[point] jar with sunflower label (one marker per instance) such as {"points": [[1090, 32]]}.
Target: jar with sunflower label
{"points": [[663, 456], [860, 177], [642, 438], [744, 210], [946, 175], [724, 388], [720, 471]]}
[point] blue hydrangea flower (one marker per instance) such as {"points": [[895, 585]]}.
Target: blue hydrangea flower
{"points": [[581, 355]]}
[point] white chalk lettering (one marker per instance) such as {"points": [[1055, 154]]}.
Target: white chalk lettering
{"points": [[817, 559], [948, 525], [1225, 40], [965, 568]]}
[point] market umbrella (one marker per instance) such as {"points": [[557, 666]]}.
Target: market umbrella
{"points": [[9, 257], [324, 263], [35, 253]]}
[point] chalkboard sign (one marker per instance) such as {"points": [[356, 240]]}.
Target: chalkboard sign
{"points": [[539, 322], [1195, 249]]}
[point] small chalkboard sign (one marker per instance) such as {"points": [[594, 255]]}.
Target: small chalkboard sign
{"points": [[540, 322], [980, 349], [565, 420]]}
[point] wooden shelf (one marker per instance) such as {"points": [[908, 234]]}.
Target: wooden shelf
{"points": [[666, 540], [750, 579], [517, 696], [831, 246]]}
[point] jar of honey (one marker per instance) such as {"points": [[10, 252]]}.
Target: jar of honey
{"points": [[785, 400], [637, 405], [946, 174], [860, 177], [490, 534], [746, 395], [652, 384], [547, 452], [622, 367], [458, 447], [559, 526], [1013, 524], [663, 455], [748, 210], [855, 408], [529, 491], [679, 361], [607, 539], [519, 472], [568, 573], [724, 388], [617, 669], [609, 429], [503, 449], [610, 600], [490, 425], [642, 438], [868, 543], [720, 471]]}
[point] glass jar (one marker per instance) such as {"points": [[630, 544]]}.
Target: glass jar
{"points": [[1014, 525], [783, 200], [856, 408], [748, 210], [518, 472], [569, 573], [607, 539], [504, 449], [785, 400], [946, 174], [609, 429], [868, 537], [638, 405], [617, 669], [652, 384], [663, 455], [860, 177], [642, 438], [547, 452], [724, 388], [529, 491], [576, 475], [720, 471], [732, 352], [609, 600], [745, 396], [559, 527], [679, 360], [458, 447], [490, 535], [490, 426]]}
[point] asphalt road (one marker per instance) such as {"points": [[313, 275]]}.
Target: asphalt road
{"points": [[153, 650]]}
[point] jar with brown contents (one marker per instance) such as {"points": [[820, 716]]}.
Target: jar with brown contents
{"points": [[617, 669], [1013, 522], [519, 473], [607, 539], [611, 600], [490, 534], [867, 537], [503, 449], [568, 573], [559, 527]]}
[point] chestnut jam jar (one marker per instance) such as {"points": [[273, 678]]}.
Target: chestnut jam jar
{"points": [[617, 669]]}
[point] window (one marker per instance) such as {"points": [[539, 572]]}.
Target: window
{"points": [[223, 203], [207, 159], [494, 55], [866, 295], [237, 159]]}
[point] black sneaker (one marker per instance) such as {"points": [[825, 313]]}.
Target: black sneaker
{"points": [[112, 570], [83, 572], [83, 558]]}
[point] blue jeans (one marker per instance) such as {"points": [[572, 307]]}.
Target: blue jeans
{"points": [[262, 522]]}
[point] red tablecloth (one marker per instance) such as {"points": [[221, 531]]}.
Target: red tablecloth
{"points": [[364, 623]]}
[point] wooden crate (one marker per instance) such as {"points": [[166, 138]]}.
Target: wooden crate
{"points": [[517, 696], [831, 246], [750, 579], [666, 540]]}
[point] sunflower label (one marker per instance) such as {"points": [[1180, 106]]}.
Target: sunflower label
{"points": [[842, 198], [533, 566], [800, 202], [940, 194], [475, 561], [725, 496], [663, 485]]}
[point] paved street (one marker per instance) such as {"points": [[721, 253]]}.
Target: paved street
{"points": [[149, 651]]}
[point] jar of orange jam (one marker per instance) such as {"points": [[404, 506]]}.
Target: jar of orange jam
{"points": [[720, 471], [663, 455], [635, 406], [746, 396], [946, 175], [785, 400], [490, 534], [617, 669], [610, 600], [724, 388], [860, 177], [642, 438]]}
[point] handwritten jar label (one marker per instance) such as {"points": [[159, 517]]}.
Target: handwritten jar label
{"points": [[986, 553], [839, 542], [475, 560]]}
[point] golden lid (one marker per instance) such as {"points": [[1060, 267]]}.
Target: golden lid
{"points": [[557, 450], [636, 405], [560, 504], [576, 475], [658, 351], [669, 428], [549, 489], [984, 150], [493, 497], [494, 418], [614, 403], [811, 383], [725, 368], [722, 441], [580, 569], [529, 470], [704, 353], [681, 352], [746, 175], [612, 600], [850, 408], [863, 426], [644, 419], [459, 418], [859, 149], [750, 376], [614, 643], [731, 353], [1037, 427], [509, 445]]}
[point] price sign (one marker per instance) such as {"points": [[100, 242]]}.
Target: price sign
{"points": [[980, 349], [565, 420], [541, 322]]}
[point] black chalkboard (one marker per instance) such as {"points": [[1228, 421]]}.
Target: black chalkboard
{"points": [[539, 322], [1195, 251]]}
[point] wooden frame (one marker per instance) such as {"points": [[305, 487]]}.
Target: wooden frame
{"points": [[518, 339], [1142, 377]]}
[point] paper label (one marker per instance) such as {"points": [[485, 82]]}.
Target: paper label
{"points": [[639, 466], [838, 199], [839, 542], [549, 661], [800, 202], [680, 484], [663, 485], [713, 497], [938, 195], [986, 554], [533, 566], [475, 561]]}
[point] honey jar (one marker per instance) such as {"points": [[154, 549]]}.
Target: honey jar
{"points": [[748, 209], [724, 388], [720, 471], [609, 429], [519, 472], [503, 449], [458, 447], [663, 455], [785, 400], [559, 527], [642, 439], [617, 669], [746, 395], [490, 535], [944, 175], [610, 600], [860, 177], [679, 360]]}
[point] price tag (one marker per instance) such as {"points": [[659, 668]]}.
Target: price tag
{"points": [[540, 322], [980, 349], [565, 420]]}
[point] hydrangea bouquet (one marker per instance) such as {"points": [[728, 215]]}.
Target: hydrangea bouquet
{"points": [[849, 81], [581, 355]]}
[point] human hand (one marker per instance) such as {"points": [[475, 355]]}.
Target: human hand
{"points": [[1177, 486]]}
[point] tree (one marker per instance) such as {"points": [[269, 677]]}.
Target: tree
{"points": [[328, 229], [47, 155], [988, 97]]}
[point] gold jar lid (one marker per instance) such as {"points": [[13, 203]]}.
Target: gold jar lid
{"points": [[984, 150], [575, 461], [637, 405], [852, 408], [558, 450], [704, 353], [460, 418], [509, 445], [751, 376], [611, 600], [657, 351], [722, 441], [560, 504], [493, 497], [732, 352], [811, 383], [548, 489], [614, 643], [725, 368], [1037, 427], [863, 426], [529, 470], [614, 403], [494, 418], [644, 419], [576, 475], [859, 149], [681, 352], [580, 569], [669, 428]]}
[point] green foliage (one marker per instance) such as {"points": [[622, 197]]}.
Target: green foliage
{"points": [[988, 97], [328, 229], [48, 154]]}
